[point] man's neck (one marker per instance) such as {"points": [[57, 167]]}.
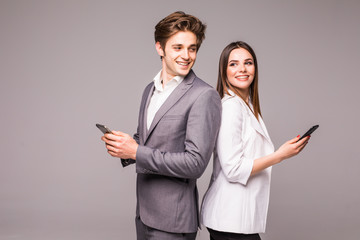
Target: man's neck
{"points": [[166, 78]]}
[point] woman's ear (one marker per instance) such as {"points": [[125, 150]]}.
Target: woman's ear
{"points": [[159, 49]]}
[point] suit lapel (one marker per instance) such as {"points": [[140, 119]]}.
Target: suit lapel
{"points": [[143, 112], [179, 91]]}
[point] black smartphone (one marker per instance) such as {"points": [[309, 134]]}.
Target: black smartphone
{"points": [[309, 132], [104, 129]]}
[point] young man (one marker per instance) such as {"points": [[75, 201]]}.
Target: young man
{"points": [[178, 124]]}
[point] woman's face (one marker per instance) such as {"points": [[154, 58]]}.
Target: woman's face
{"points": [[241, 70]]}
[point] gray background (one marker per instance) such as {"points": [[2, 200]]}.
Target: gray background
{"points": [[66, 65]]}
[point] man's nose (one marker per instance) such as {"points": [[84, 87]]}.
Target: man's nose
{"points": [[185, 54]]}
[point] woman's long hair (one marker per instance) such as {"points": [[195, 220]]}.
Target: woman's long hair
{"points": [[223, 84]]}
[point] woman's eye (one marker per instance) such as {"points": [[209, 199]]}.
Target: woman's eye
{"points": [[248, 63], [232, 64]]}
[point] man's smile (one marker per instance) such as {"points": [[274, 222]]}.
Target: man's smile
{"points": [[183, 63]]}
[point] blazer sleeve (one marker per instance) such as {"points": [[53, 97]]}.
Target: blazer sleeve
{"points": [[201, 132], [231, 146], [127, 162]]}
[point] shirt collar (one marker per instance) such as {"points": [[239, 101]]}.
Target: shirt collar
{"points": [[233, 95], [158, 81]]}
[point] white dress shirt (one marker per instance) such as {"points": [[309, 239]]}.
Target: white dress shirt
{"points": [[235, 201], [160, 95]]}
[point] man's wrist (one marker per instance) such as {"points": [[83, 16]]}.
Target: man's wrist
{"points": [[135, 151]]}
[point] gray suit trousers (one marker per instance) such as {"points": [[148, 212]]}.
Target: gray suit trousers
{"points": [[144, 232]]}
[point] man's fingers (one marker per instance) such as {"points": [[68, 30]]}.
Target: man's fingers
{"points": [[114, 151], [113, 137], [119, 133], [113, 154], [110, 148], [116, 136]]}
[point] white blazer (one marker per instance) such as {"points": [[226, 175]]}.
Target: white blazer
{"points": [[235, 201]]}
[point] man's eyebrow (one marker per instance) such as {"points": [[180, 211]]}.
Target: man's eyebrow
{"points": [[180, 45]]}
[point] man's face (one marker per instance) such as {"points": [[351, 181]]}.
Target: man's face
{"points": [[179, 55]]}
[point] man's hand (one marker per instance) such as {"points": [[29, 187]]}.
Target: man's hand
{"points": [[120, 145]]}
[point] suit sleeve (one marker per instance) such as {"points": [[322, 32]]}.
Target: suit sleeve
{"points": [[230, 144], [201, 132], [127, 162]]}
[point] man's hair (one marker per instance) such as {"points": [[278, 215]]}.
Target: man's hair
{"points": [[179, 21]]}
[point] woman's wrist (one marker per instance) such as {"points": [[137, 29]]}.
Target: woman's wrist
{"points": [[278, 157]]}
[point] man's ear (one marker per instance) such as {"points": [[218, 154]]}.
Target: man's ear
{"points": [[159, 49]]}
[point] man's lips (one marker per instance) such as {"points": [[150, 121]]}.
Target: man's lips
{"points": [[183, 63]]}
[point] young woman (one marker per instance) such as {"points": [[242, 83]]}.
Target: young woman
{"points": [[236, 203]]}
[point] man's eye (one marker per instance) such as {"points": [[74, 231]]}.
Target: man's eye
{"points": [[192, 49]]}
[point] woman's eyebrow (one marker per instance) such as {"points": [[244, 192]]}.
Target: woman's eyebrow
{"points": [[234, 60]]}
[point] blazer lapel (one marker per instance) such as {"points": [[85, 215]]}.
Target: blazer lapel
{"points": [[179, 91], [263, 127], [143, 112], [259, 126]]}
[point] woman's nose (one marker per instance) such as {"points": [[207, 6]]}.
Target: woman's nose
{"points": [[242, 68]]}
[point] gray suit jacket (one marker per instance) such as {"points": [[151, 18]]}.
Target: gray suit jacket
{"points": [[174, 153]]}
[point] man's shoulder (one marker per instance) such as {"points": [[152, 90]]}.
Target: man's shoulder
{"points": [[201, 84], [204, 92], [202, 88]]}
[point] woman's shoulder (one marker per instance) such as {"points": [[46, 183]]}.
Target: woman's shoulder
{"points": [[232, 102], [233, 108]]}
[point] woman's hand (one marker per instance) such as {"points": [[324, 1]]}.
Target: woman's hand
{"points": [[291, 148], [287, 150]]}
